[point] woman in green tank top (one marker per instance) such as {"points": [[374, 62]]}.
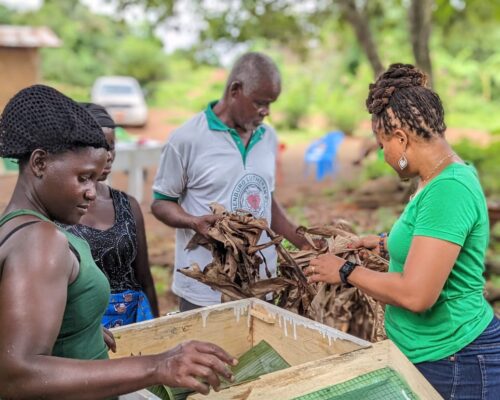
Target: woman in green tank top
{"points": [[52, 295], [436, 312]]}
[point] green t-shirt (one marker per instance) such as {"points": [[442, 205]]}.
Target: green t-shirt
{"points": [[452, 207]]}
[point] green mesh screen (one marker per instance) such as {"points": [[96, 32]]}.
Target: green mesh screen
{"points": [[382, 384]]}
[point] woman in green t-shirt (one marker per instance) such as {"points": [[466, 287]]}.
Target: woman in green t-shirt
{"points": [[436, 312], [52, 295]]}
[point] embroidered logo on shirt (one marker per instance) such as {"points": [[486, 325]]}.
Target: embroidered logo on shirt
{"points": [[251, 194]]}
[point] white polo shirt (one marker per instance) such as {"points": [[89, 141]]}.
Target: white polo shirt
{"points": [[204, 161]]}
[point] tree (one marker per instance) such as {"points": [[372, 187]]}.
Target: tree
{"points": [[295, 25], [93, 45], [360, 23], [130, 56], [420, 17]]}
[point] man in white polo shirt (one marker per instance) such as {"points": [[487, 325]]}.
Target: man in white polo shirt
{"points": [[224, 154]]}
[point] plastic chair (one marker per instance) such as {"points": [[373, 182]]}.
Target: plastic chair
{"points": [[323, 153]]}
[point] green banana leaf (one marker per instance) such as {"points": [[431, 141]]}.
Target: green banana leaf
{"points": [[168, 393], [259, 360]]}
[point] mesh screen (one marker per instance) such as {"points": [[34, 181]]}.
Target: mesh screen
{"points": [[382, 384]]}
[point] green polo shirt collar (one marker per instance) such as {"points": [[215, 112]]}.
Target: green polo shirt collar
{"points": [[215, 124]]}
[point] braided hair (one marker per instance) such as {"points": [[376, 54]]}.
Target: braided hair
{"points": [[403, 89], [40, 117]]}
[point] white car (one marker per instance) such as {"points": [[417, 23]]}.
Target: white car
{"points": [[123, 98]]}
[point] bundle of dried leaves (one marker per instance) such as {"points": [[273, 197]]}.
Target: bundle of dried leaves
{"points": [[234, 271], [347, 309]]}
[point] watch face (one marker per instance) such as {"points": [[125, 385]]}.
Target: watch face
{"points": [[345, 271]]}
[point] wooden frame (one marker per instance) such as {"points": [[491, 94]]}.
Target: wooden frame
{"points": [[237, 326], [320, 355]]}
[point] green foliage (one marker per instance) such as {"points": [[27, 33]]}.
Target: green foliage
{"points": [[297, 214], [162, 278], [294, 103], [342, 107], [470, 89], [93, 45], [495, 280], [292, 137], [346, 186], [385, 217], [288, 245], [159, 9], [130, 57], [198, 86], [377, 168], [487, 162], [6, 15], [280, 22], [325, 72], [78, 93]]}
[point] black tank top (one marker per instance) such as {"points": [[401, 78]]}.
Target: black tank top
{"points": [[114, 249]]}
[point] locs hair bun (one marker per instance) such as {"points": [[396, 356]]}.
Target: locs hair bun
{"points": [[404, 89], [398, 76], [40, 117]]}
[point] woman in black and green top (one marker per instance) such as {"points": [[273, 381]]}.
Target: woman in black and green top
{"points": [[436, 312], [52, 295]]}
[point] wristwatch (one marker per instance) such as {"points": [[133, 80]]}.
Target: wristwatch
{"points": [[346, 270]]}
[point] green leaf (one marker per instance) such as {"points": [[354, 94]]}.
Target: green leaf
{"points": [[163, 392], [167, 393], [259, 360]]}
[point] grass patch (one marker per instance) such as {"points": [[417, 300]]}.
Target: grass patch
{"points": [[297, 214], [495, 280], [162, 277], [386, 217], [77, 93], [299, 136]]}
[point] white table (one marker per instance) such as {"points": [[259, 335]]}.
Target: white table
{"points": [[133, 157]]}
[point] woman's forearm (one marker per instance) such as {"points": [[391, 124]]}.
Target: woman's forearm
{"points": [[388, 287], [77, 380]]}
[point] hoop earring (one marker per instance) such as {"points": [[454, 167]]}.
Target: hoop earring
{"points": [[403, 161]]}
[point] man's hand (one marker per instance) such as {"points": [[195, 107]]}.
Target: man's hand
{"points": [[195, 365], [203, 223]]}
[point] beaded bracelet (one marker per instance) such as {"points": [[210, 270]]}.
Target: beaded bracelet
{"points": [[381, 245]]}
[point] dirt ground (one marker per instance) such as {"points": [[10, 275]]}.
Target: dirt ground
{"points": [[293, 188]]}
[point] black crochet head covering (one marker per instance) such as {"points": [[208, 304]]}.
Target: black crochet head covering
{"points": [[100, 115], [40, 117]]}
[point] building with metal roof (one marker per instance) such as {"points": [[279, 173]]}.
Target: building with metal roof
{"points": [[20, 57]]}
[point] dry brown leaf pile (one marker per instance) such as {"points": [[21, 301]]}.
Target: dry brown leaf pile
{"points": [[347, 309], [234, 271]]}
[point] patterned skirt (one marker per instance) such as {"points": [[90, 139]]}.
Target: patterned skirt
{"points": [[126, 308]]}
